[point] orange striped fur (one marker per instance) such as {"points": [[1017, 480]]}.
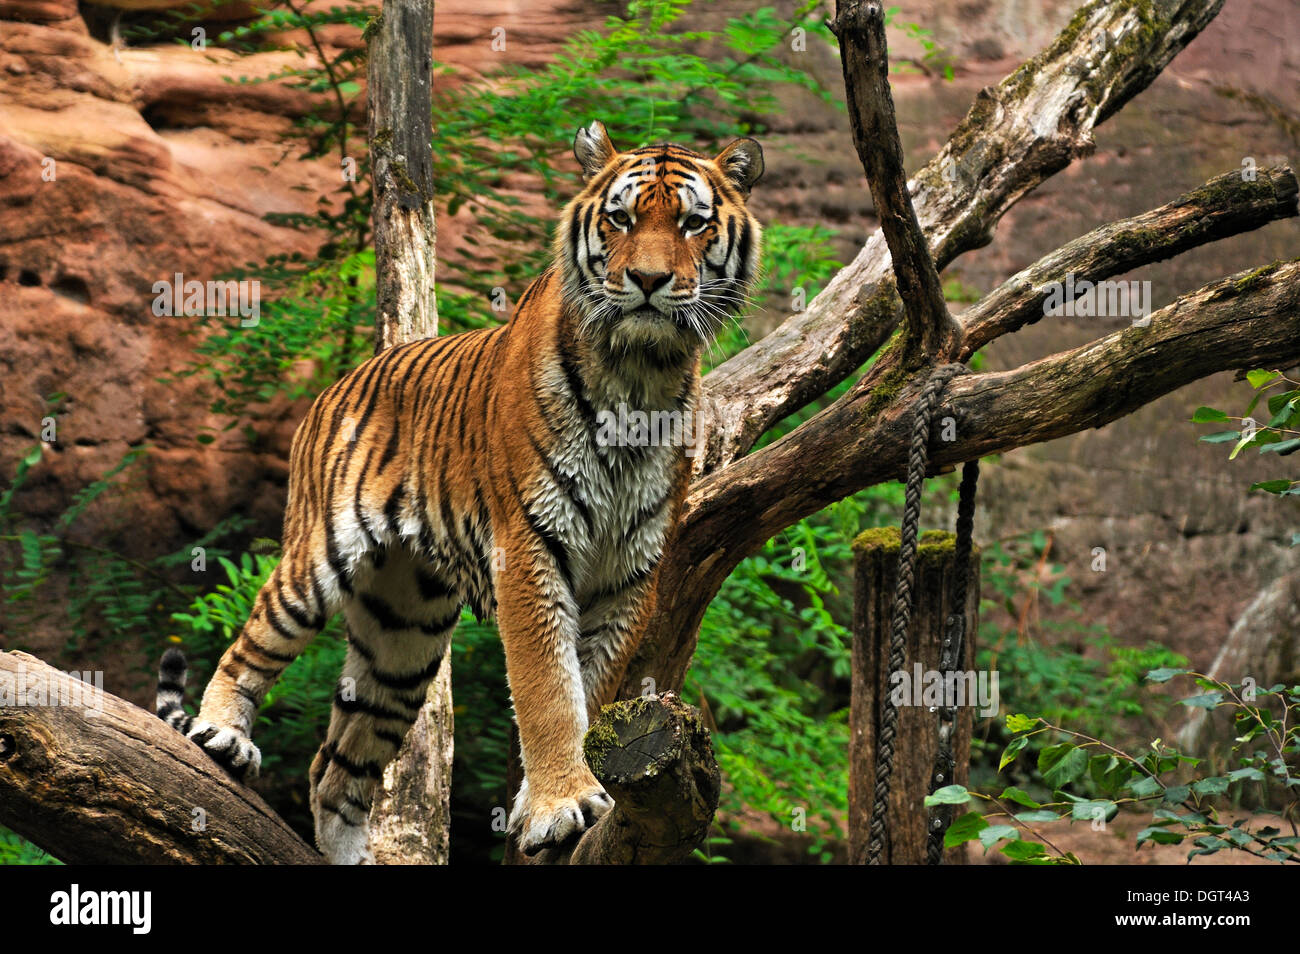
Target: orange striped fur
{"points": [[474, 470]]}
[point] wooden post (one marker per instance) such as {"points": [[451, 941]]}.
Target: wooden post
{"points": [[875, 568]]}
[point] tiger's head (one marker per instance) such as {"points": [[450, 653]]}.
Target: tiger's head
{"points": [[659, 249]]}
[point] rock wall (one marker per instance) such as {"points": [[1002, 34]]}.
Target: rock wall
{"points": [[161, 166]]}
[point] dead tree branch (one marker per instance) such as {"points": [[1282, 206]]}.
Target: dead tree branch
{"points": [[104, 782], [1017, 134], [1249, 320], [864, 56], [1224, 206]]}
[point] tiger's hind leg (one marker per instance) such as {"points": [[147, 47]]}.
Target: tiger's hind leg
{"points": [[292, 606], [400, 620]]}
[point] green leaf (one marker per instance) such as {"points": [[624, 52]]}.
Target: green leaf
{"points": [[994, 833], [1206, 700], [1207, 415], [1175, 794], [1272, 486], [1259, 378], [1254, 774], [1159, 836], [1283, 448], [1144, 787], [1219, 437], [948, 795], [1088, 809], [1011, 793], [966, 828], [1011, 751], [1164, 675], [1023, 850], [1020, 723], [1041, 815], [1062, 764], [1216, 785]]}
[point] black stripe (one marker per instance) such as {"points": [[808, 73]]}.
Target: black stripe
{"points": [[552, 543], [392, 506], [334, 810], [269, 654], [563, 481], [247, 663], [373, 709], [430, 585], [391, 680], [166, 686], [298, 616], [357, 769], [390, 737]]}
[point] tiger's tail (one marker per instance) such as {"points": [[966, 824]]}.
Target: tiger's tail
{"points": [[170, 704]]}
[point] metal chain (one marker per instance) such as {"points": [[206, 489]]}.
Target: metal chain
{"points": [[900, 622], [952, 659]]}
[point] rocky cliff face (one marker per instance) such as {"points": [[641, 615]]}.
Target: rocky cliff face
{"points": [[121, 166]]}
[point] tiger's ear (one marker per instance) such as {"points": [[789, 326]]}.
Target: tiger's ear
{"points": [[592, 148], [742, 163]]}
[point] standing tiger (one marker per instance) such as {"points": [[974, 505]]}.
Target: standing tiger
{"points": [[470, 470]]}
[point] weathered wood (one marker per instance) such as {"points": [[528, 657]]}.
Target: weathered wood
{"points": [[1248, 320], [400, 91], [1017, 134], [654, 756], [875, 571], [410, 820], [864, 57], [105, 782], [1226, 205]]}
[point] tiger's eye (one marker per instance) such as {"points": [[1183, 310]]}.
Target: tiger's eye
{"points": [[694, 222], [621, 218]]}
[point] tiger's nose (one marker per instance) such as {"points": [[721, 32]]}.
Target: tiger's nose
{"points": [[649, 282]]}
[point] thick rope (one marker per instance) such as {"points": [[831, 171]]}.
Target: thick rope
{"points": [[900, 622], [952, 659]]}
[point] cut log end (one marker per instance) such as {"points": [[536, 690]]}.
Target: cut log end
{"points": [[655, 758]]}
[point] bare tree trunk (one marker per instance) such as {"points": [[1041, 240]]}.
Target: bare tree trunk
{"points": [[411, 817]]}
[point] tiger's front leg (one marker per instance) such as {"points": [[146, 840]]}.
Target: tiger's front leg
{"points": [[538, 620]]}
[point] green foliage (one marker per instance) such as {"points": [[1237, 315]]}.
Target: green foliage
{"points": [[1280, 435], [102, 598], [1092, 780], [295, 712], [16, 850], [1073, 673]]}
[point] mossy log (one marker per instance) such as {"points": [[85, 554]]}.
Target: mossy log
{"points": [[102, 781], [654, 756]]}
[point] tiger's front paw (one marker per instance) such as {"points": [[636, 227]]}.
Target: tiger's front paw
{"points": [[541, 822], [229, 748]]}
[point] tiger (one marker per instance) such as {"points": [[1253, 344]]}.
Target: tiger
{"points": [[476, 470]]}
